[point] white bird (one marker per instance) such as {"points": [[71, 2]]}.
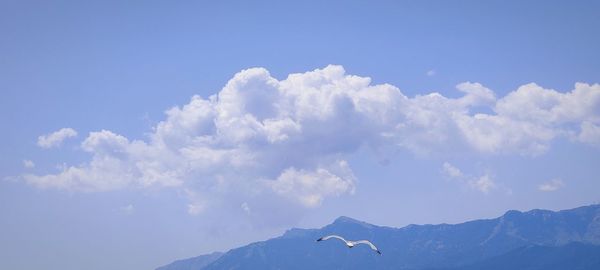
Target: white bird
{"points": [[350, 244]]}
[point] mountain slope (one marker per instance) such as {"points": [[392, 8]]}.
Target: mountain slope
{"points": [[417, 246], [572, 256], [192, 263]]}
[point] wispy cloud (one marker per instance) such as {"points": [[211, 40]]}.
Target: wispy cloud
{"points": [[56, 138], [552, 185], [128, 209], [28, 164], [431, 72], [246, 208], [451, 171], [483, 183], [195, 208]]}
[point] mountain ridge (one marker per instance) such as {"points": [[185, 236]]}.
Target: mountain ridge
{"points": [[417, 246]]}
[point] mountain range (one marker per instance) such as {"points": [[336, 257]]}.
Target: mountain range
{"points": [[536, 239]]}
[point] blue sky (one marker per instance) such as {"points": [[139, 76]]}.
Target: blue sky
{"points": [[108, 162]]}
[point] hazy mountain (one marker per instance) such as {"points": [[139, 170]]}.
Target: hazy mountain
{"points": [[194, 263], [422, 246]]}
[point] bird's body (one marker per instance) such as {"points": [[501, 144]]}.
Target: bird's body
{"points": [[350, 244]]}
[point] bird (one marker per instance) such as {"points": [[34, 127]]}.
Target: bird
{"points": [[350, 244]]}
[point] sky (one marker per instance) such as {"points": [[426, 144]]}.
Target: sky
{"points": [[140, 132]]}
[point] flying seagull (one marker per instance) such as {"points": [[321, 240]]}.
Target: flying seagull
{"points": [[350, 244]]}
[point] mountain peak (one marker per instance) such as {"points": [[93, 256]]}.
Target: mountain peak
{"points": [[345, 219], [513, 213]]}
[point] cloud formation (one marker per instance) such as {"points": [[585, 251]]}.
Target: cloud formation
{"points": [[483, 183], [289, 138], [553, 185], [128, 209], [28, 164], [56, 138], [451, 171]]}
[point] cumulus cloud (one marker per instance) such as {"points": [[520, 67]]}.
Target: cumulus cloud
{"points": [[590, 133], [309, 188], [28, 164], [552, 185], [260, 136], [56, 138]]}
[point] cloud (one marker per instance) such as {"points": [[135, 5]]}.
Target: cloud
{"points": [[246, 208], [590, 133], [128, 209], [553, 185], [430, 72], [56, 138], [309, 188], [475, 95], [451, 171], [483, 183], [195, 208], [288, 140], [197, 203], [28, 164]]}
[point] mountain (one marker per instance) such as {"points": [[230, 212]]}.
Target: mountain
{"points": [[572, 256], [192, 263], [443, 246]]}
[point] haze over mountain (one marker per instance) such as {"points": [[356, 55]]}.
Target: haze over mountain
{"points": [[536, 239]]}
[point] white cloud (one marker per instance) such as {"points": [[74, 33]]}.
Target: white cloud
{"points": [[56, 138], [431, 72], [128, 209], [483, 183], [195, 208], [451, 171], [476, 94], [309, 188], [198, 203], [553, 185], [263, 137], [28, 164], [246, 208], [590, 133]]}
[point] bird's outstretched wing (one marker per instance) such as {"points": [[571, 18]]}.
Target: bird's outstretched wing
{"points": [[373, 247], [332, 236]]}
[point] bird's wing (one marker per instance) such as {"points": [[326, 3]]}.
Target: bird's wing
{"points": [[332, 236], [373, 247]]}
